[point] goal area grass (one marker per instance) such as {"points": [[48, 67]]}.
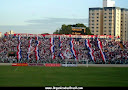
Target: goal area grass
{"points": [[63, 76]]}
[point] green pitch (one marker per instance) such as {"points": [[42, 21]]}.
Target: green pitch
{"points": [[63, 76]]}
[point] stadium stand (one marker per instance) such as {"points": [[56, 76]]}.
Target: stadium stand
{"points": [[59, 48]]}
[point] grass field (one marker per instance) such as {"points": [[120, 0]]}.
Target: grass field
{"points": [[63, 76]]}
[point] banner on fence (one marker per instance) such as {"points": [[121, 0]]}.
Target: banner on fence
{"points": [[19, 64], [69, 65], [35, 64], [52, 65]]}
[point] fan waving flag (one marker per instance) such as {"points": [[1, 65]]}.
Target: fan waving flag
{"points": [[52, 47], [37, 49], [73, 49], [101, 52], [19, 49], [60, 45], [91, 51]]}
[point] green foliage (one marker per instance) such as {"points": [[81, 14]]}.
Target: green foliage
{"points": [[67, 29], [45, 33]]}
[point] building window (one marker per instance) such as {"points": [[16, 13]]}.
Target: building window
{"points": [[105, 13], [110, 9], [97, 31], [104, 34], [97, 17], [97, 27], [97, 24], [105, 17], [97, 20], [104, 30], [97, 13], [110, 13], [110, 16], [92, 20]]}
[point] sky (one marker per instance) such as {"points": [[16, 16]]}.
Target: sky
{"points": [[45, 16]]}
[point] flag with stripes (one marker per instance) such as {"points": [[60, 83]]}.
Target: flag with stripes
{"points": [[73, 49], [52, 47], [101, 52], [37, 49], [91, 51], [60, 45], [29, 48], [19, 49]]}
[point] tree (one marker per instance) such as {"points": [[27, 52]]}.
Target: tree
{"points": [[45, 33], [88, 32], [67, 29]]}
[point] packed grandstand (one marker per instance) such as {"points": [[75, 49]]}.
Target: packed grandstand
{"points": [[22, 48]]}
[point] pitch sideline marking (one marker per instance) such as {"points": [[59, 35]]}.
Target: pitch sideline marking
{"points": [[16, 69]]}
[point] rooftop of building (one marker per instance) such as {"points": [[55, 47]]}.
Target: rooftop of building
{"points": [[99, 8]]}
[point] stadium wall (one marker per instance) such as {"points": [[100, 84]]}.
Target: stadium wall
{"points": [[79, 65]]}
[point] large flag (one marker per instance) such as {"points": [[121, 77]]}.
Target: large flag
{"points": [[91, 51], [52, 47], [37, 49], [19, 49], [101, 52], [29, 48], [73, 49], [60, 45]]}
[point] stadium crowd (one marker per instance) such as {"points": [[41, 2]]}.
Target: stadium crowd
{"points": [[114, 52]]}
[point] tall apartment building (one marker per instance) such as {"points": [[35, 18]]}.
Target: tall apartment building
{"points": [[96, 20], [109, 21], [124, 24]]}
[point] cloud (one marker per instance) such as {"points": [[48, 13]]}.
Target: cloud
{"points": [[44, 25], [59, 20]]}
